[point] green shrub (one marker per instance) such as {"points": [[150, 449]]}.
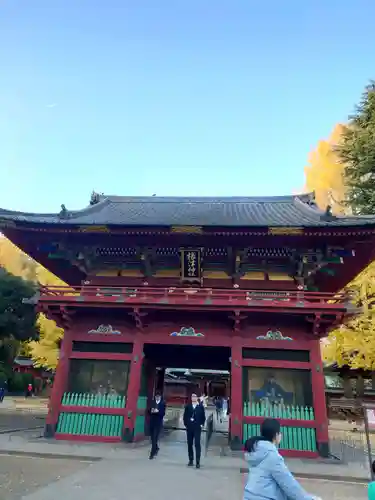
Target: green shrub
{"points": [[3, 377], [19, 382]]}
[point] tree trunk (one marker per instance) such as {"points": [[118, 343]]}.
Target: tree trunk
{"points": [[348, 392], [360, 386]]}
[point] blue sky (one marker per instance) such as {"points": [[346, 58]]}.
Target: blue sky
{"points": [[136, 97]]}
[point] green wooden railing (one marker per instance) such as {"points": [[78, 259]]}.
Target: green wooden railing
{"points": [[293, 438], [88, 424], [282, 411], [139, 426], [95, 400]]}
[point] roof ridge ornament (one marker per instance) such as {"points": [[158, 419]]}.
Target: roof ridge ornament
{"points": [[95, 198], [311, 200], [64, 212], [328, 215]]}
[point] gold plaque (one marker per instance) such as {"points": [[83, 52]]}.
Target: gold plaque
{"points": [[187, 229], [94, 229], [274, 231]]}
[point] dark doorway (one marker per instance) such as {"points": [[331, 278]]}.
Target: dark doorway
{"points": [[182, 370], [186, 356]]}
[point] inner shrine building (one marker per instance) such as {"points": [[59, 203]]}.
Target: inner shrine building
{"points": [[244, 285]]}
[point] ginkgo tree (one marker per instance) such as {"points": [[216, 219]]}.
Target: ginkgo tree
{"points": [[353, 343], [324, 173], [44, 351]]}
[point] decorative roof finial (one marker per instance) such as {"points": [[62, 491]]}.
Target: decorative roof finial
{"points": [[63, 212], [328, 215], [311, 199], [328, 212], [95, 198]]}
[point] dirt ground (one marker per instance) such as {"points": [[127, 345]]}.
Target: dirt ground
{"points": [[20, 476]]}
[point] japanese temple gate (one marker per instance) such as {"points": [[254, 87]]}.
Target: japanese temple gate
{"points": [[247, 285]]}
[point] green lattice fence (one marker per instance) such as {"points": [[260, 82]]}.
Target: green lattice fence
{"points": [[294, 438], [139, 426], [88, 424], [96, 400], [284, 411]]}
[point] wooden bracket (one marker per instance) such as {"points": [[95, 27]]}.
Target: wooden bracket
{"points": [[66, 316], [237, 319], [137, 314]]}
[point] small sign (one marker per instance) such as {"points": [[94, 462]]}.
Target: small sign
{"points": [[191, 265], [369, 414]]}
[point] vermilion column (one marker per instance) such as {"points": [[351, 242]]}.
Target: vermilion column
{"points": [[133, 389], [151, 385], [59, 384], [319, 398], [236, 396]]}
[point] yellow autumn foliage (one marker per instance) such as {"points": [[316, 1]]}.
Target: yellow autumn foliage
{"points": [[352, 344], [324, 174], [44, 352]]}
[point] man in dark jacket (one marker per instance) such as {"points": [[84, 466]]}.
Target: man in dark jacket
{"points": [[194, 420], [157, 412]]}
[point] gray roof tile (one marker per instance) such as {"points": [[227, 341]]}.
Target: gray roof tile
{"points": [[292, 211]]}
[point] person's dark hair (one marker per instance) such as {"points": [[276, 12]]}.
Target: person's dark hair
{"points": [[157, 393], [269, 429]]}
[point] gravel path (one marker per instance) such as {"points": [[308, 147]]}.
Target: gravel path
{"points": [[10, 420], [21, 476]]}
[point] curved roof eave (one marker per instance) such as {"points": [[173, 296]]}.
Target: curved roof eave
{"points": [[152, 211]]}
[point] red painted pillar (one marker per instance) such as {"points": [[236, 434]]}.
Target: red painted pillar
{"points": [[151, 381], [151, 388], [133, 389], [236, 396], [319, 398], [59, 384]]}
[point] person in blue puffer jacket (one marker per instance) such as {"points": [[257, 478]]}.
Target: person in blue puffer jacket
{"points": [[269, 478]]}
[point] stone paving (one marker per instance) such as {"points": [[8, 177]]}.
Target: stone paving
{"points": [[20, 476], [142, 479], [125, 471], [14, 421]]}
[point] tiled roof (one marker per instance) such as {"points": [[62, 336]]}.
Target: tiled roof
{"points": [[292, 211]]}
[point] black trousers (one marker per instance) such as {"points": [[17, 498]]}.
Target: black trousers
{"points": [[155, 429], [194, 438]]}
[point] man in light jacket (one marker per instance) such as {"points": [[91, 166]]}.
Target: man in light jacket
{"points": [[269, 478]]}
